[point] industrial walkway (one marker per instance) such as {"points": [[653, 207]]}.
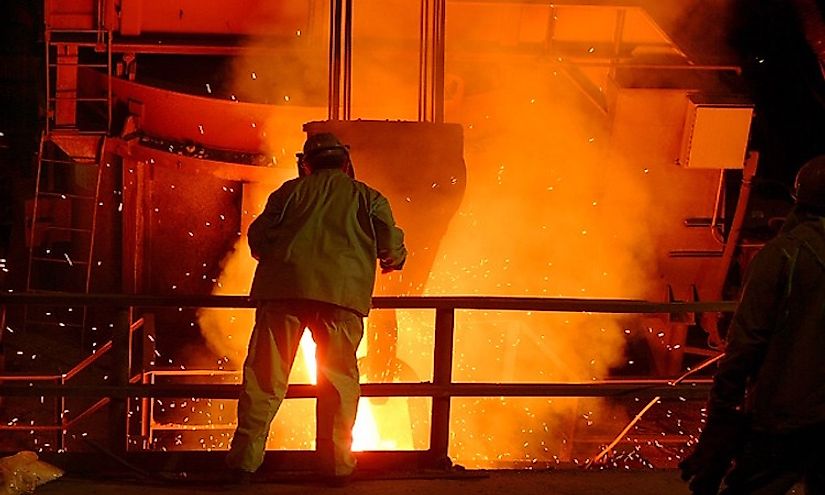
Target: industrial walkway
{"points": [[556, 482]]}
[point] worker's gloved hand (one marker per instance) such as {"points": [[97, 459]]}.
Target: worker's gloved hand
{"points": [[721, 439]]}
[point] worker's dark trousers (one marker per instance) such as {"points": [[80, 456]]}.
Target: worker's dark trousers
{"points": [[272, 348], [772, 463]]}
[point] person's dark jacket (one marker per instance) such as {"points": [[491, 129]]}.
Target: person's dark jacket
{"points": [[776, 343], [319, 238]]}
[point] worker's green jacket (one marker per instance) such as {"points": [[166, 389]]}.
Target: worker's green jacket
{"points": [[776, 343], [319, 238]]}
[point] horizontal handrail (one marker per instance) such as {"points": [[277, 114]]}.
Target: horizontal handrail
{"points": [[29, 378], [193, 372], [491, 303], [18, 427], [598, 388]]}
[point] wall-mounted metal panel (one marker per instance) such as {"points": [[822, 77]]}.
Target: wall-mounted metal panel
{"points": [[716, 132]]}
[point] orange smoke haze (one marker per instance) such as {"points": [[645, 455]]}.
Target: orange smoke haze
{"points": [[547, 213], [549, 210]]}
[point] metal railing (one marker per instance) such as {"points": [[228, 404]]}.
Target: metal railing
{"points": [[441, 389], [63, 421]]}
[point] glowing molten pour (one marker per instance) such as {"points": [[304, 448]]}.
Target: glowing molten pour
{"points": [[365, 435]]}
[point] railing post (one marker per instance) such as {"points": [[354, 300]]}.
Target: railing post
{"points": [[148, 364], [2, 352], [60, 404], [442, 376], [121, 365]]}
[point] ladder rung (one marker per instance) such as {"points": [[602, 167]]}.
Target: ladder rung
{"points": [[58, 260], [52, 291], [76, 98], [82, 161], [63, 229], [81, 32], [65, 196], [64, 64], [85, 44], [75, 130], [78, 31]]}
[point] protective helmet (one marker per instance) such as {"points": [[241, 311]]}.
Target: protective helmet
{"points": [[320, 148], [809, 187]]}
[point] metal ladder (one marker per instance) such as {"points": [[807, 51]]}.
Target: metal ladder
{"points": [[62, 230], [63, 216], [71, 106]]}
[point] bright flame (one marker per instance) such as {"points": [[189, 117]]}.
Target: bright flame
{"points": [[307, 347], [366, 434]]}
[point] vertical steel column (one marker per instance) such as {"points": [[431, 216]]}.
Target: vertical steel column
{"points": [[347, 70], [439, 47], [442, 376], [334, 97], [47, 41], [431, 61], [109, 77], [340, 60], [121, 366], [423, 60], [61, 417]]}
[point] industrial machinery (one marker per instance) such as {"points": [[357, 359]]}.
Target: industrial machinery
{"points": [[564, 149]]}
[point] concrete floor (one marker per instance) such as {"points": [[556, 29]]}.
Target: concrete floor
{"points": [[558, 482]]}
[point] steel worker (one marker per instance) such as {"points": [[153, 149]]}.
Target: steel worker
{"points": [[316, 242], [766, 412]]}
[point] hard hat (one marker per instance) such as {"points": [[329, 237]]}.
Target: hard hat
{"points": [[809, 187], [323, 144]]}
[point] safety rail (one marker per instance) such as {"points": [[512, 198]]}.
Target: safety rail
{"points": [[441, 389], [61, 381]]}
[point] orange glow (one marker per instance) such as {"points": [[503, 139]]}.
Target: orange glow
{"points": [[551, 210], [365, 434]]}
